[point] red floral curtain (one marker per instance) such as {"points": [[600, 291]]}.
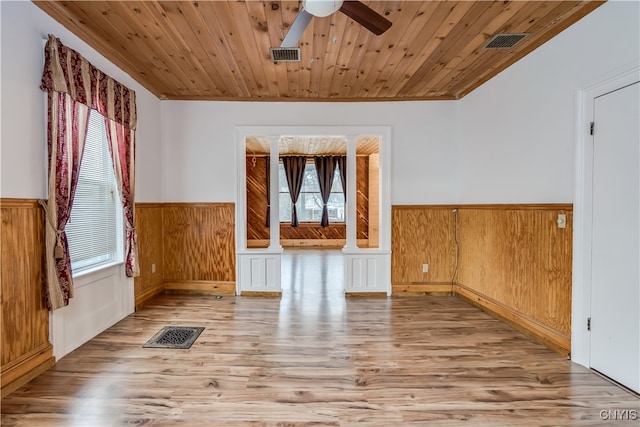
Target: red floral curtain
{"points": [[121, 145], [67, 131], [74, 87]]}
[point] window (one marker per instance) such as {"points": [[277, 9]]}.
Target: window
{"points": [[94, 230], [309, 205]]}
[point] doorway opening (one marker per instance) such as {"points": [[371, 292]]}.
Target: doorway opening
{"points": [[292, 195], [313, 279]]}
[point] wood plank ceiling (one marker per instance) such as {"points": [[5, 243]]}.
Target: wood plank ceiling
{"points": [[312, 145], [219, 50]]}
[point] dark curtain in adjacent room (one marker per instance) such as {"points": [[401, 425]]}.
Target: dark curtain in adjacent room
{"points": [[294, 171], [325, 168]]}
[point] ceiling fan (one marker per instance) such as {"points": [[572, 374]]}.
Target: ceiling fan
{"points": [[359, 12]]}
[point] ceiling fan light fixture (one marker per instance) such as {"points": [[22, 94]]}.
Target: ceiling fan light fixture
{"points": [[322, 8]]}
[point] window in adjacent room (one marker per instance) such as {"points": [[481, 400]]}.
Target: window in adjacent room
{"points": [[94, 230], [309, 205]]}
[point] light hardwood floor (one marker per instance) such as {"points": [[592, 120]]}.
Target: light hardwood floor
{"points": [[313, 357]]}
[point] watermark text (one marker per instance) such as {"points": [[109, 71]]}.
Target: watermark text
{"points": [[619, 415]]}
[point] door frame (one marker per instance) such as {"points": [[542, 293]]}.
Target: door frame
{"points": [[264, 264], [583, 205]]}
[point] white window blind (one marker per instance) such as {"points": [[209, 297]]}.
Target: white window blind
{"points": [[93, 231]]}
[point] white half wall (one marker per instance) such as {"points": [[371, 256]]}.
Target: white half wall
{"points": [[24, 29], [516, 138], [199, 144]]}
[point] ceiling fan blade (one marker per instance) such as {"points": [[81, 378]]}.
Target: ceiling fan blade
{"points": [[365, 16], [297, 28]]}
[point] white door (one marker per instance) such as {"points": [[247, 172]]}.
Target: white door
{"points": [[615, 274]]}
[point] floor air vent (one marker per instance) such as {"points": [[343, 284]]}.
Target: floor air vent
{"points": [[504, 41], [284, 54], [174, 337]]}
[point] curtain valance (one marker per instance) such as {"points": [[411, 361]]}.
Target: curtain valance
{"points": [[66, 71]]}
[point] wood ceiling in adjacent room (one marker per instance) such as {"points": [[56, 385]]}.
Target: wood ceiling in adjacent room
{"points": [[219, 50], [312, 145]]}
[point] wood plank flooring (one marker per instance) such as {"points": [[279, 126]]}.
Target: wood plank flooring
{"points": [[315, 358]]}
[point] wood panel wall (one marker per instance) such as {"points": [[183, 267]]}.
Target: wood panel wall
{"points": [[199, 242], [192, 246], [514, 262], [25, 348], [517, 258], [362, 196], [374, 200], [150, 251], [258, 233], [256, 168], [421, 235]]}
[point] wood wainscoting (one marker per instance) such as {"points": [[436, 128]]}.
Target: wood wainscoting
{"points": [[199, 242], [513, 261], [25, 348], [150, 252], [422, 235], [518, 258], [192, 246]]}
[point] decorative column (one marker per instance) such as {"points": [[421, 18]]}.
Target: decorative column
{"points": [[274, 192], [351, 202]]}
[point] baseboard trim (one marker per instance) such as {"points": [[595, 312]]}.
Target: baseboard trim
{"points": [[148, 295], [202, 287], [365, 294], [27, 367], [261, 294], [419, 289], [551, 338]]}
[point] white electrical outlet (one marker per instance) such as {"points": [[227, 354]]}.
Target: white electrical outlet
{"points": [[425, 268], [562, 221], [153, 268]]}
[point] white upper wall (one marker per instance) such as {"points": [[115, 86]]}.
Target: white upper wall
{"points": [[23, 135], [510, 141], [200, 156], [516, 139]]}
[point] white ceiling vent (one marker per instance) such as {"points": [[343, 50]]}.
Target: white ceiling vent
{"points": [[284, 54], [504, 41]]}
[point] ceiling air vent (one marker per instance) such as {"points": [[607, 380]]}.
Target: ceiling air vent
{"points": [[284, 54], [504, 41]]}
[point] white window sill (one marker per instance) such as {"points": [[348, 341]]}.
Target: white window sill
{"points": [[90, 275]]}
